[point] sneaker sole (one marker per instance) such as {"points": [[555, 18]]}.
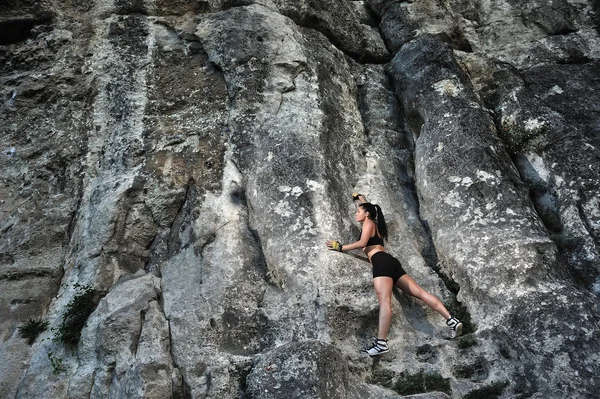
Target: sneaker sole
{"points": [[458, 330], [376, 354]]}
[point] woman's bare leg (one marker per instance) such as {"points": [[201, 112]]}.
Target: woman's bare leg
{"points": [[383, 289], [410, 286]]}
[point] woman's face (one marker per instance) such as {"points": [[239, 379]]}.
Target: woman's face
{"points": [[361, 215]]}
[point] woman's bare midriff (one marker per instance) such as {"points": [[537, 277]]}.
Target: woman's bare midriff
{"points": [[372, 250]]}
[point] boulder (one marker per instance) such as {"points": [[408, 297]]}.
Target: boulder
{"points": [[463, 190]]}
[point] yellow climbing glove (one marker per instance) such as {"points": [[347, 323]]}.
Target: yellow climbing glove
{"points": [[334, 245]]}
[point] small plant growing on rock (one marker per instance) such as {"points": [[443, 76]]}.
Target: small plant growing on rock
{"points": [[32, 329], [57, 364], [77, 312], [422, 382]]}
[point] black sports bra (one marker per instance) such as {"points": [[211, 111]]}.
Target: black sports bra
{"points": [[375, 240]]}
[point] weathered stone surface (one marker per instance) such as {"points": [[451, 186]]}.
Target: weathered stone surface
{"points": [[125, 350], [552, 144], [27, 285], [278, 96], [431, 395], [561, 32], [402, 21], [479, 195], [43, 114], [572, 90], [18, 19], [309, 369], [14, 356], [189, 159], [339, 22]]}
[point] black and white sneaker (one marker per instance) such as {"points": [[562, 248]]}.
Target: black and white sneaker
{"points": [[455, 326], [379, 347]]}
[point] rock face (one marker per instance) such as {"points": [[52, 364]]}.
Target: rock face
{"points": [[188, 160]]}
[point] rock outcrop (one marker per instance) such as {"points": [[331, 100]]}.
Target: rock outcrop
{"points": [[185, 162]]}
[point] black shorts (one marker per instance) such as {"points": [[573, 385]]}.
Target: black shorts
{"points": [[385, 265]]}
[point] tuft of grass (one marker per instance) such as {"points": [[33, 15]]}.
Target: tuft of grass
{"points": [[32, 329], [77, 312], [492, 391], [421, 382]]}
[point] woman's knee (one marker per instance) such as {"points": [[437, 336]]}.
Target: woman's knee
{"points": [[385, 308], [415, 290], [384, 299]]}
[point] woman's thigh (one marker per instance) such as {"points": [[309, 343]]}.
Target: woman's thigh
{"points": [[409, 286], [383, 288]]}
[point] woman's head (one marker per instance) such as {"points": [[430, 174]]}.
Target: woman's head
{"points": [[366, 210]]}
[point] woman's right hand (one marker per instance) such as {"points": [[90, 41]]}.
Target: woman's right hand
{"points": [[358, 197], [334, 245]]}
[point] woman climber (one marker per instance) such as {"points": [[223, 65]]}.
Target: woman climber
{"points": [[387, 273]]}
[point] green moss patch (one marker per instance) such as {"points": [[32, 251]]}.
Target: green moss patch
{"points": [[466, 341], [491, 391], [421, 382], [382, 376], [518, 137]]}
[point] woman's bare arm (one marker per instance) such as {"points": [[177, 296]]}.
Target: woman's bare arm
{"points": [[359, 197], [368, 229]]}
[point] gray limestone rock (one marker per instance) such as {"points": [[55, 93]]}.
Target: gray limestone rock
{"points": [[123, 351], [341, 24], [550, 145], [478, 194], [188, 160], [309, 369], [553, 32]]}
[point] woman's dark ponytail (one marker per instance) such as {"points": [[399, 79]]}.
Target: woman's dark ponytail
{"points": [[377, 215], [381, 226]]}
